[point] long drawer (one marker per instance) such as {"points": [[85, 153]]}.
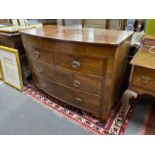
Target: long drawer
{"points": [[68, 47], [78, 99], [84, 65], [73, 80]]}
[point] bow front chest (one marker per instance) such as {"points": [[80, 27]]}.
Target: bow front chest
{"points": [[83, 67]]}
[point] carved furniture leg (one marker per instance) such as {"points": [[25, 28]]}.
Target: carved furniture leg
{"points": [[128, 94]]}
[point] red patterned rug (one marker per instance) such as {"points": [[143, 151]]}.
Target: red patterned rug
{"points": [[81, 118]]}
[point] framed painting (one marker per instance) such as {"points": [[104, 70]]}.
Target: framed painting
{"points": [[10, 67]]}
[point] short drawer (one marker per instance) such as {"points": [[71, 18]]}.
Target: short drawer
{"points": [[39, 54], [80, 64], [29, 40], [144, 78], [44, 43], [53, 45], [34, 47], [84, 101], [74, 80]]}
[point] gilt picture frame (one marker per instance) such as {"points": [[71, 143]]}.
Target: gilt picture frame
{"points": [[1, 76], [10, 67]]}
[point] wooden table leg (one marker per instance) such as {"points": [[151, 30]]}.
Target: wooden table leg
{"points": [[128, 94]]}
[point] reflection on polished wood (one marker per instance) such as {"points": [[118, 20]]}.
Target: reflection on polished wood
{"points": [[144, 59], [87, 35]]}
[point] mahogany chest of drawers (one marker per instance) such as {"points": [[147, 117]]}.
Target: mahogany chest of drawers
{"points": [[83, 67]]}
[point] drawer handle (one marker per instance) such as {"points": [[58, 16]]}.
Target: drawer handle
{"points": [[152, 50], [75, 65], [78, 100], [44, 85], [146, 79], [37, 54], [76, 83], [40, 70]]}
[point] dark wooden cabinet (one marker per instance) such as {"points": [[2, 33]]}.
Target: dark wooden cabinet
{"points": [[83, 67], [14, 40]]}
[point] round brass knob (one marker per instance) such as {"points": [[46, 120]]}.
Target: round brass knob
{"points": [[37, 54], [44, 86], [76, 83], [75, 65], [40, 70], [78, 100]]}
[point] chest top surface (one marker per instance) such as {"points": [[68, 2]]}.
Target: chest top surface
{"points": [[86, 35], [144, 59]]}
